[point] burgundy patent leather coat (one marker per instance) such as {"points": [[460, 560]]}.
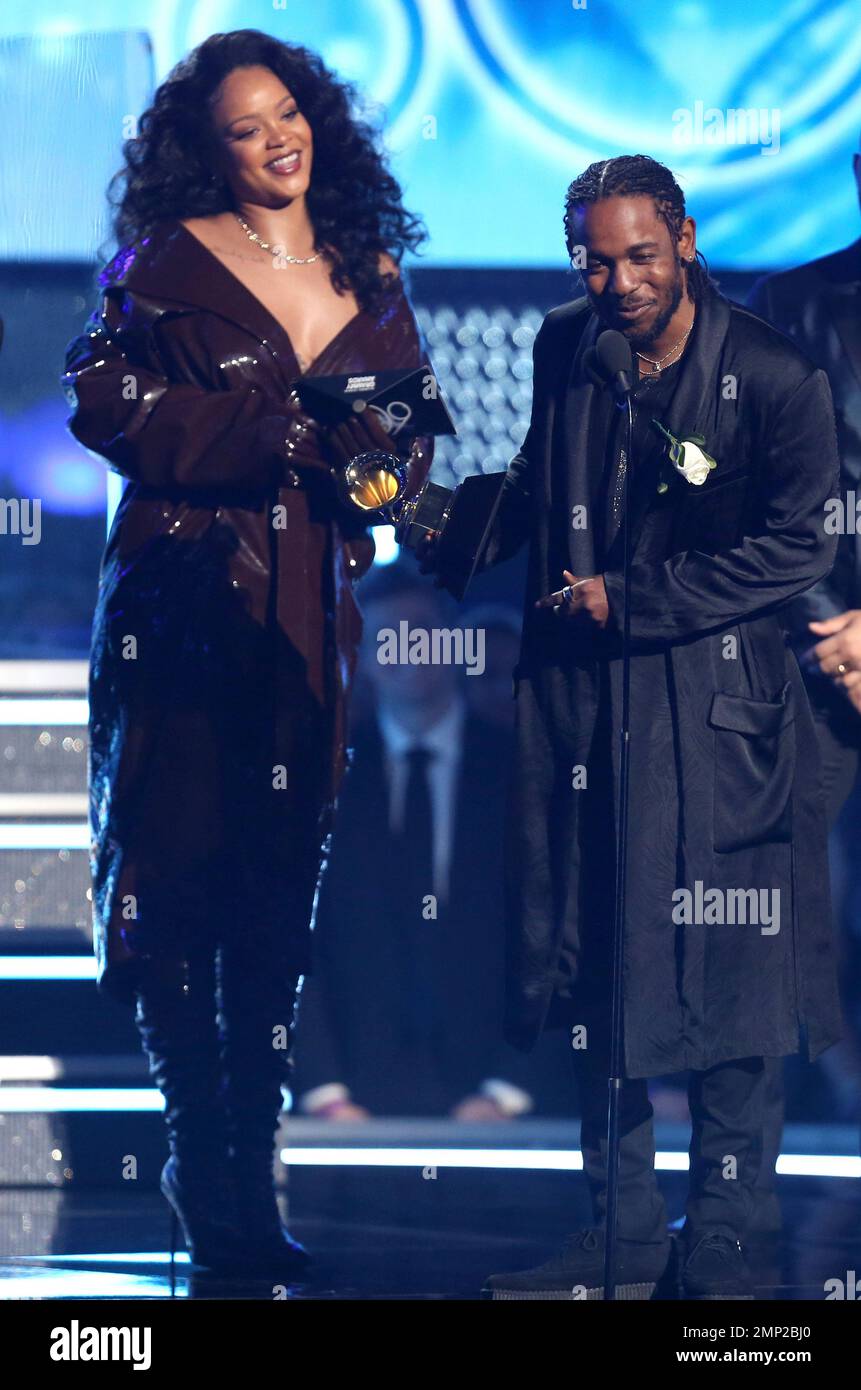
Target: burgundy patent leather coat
{"points": [[225, 634]]}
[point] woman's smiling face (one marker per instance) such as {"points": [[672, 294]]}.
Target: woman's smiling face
{"points": [[266, 143]]}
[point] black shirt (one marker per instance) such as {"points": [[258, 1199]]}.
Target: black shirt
{"points": [[651, 397]]}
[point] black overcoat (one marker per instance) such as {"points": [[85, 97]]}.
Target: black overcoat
{"points": [[725, 778]]}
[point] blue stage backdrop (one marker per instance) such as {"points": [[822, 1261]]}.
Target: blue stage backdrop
{"points": [[491, 107]]}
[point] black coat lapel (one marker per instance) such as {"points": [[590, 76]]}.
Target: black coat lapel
{"points": [[581, 398], [691, 410]]}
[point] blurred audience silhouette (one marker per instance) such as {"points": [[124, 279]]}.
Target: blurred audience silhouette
{"points": [[403, 1013]]}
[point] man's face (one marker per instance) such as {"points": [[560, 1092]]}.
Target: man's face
{"points": [[633, 271]]}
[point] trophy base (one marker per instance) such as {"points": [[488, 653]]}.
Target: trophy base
{"points": [[462, 516]]}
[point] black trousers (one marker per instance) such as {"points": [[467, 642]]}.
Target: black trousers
{"points": [[726, 1102], [726, 1105]]}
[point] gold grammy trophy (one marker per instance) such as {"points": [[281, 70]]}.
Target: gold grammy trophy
{"points": [[374, 483]]}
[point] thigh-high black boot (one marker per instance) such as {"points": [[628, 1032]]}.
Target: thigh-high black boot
{"points": [[258, 1001], [176, 1017]]}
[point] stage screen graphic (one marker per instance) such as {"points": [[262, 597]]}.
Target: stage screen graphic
{"points": [[492, 106]]}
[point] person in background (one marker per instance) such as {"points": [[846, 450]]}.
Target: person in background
{"points": [[402, 1014], [819, 306], [492, 697]]}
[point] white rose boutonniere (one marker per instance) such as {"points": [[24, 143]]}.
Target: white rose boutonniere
{"points": [[687, 456]]}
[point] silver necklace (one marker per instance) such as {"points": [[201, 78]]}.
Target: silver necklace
{"points": [[273, 250], [658, 362]]}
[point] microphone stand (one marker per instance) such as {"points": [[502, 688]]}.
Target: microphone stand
{"points": [[616, 1012]]}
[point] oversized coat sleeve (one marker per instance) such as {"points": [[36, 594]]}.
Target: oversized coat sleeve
{"points": [[162, 433], [824, 600], [695, 592]]}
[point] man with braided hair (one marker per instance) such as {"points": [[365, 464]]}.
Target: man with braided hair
{"points": [[728, 955]]}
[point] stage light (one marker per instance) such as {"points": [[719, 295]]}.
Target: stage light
{"points": [[74, 835], [118, 1099], [51, 713], [47, 968], [559, 1160], [388, 549], [48, 1100]]}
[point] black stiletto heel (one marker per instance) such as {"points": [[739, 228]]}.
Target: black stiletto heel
{"points": [[180, 1039], [252, 999], [202, 1210]]}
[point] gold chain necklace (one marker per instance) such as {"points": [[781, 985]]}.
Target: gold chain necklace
{"points": [[273, 250]]}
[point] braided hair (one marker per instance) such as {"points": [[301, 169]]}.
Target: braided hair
{"points": [[632, 176]]}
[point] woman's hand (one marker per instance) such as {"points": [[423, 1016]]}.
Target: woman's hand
{"points": [[360, 434], [294, 436]]}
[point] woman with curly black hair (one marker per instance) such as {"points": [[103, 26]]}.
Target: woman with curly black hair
{"points": [[261, 234]]}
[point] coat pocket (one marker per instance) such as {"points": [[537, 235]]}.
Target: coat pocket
{"points": [[754, 770]]}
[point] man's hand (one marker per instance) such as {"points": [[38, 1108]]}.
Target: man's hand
{"points": [[342, 1112], [426, 554], [839, 653], [478, 1110], [586, 597]]}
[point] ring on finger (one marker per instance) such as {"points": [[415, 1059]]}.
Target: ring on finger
{"points": [[568, 592]]}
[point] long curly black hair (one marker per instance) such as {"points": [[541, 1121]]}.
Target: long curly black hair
{"points": [[354, 203]]}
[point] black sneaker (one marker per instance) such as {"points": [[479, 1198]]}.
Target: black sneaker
{"points": [[715, 1268], [577, 1272]]}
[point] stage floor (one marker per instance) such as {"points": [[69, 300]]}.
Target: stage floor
{"points": [[401, 1232]]}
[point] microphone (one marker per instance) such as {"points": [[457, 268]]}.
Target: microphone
{"points": [[615, 363]]}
